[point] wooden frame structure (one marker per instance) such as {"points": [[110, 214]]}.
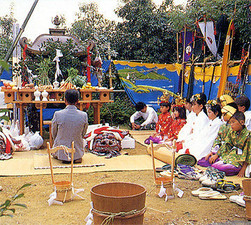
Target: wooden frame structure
{"points": [[22, 97]]}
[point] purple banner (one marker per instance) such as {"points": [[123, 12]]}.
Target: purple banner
{"points": [[188, 44]]}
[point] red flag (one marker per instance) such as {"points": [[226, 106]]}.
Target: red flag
{"points": [[233, 28], [24, 52]]}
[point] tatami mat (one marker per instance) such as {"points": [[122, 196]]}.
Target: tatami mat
{"points": [[37, 162]]}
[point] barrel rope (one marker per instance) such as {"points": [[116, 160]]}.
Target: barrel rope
{"points": [[110, 216]]}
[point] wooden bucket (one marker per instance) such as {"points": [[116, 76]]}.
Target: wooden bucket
{"points": [[64, 191], [122, 202], [247, 192], [167, 183]]}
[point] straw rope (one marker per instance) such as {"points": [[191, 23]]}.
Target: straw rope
{"points": [[110, 216]]}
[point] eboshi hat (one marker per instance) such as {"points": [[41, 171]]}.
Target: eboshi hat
{"points": [[228, 111], [225, 100]]}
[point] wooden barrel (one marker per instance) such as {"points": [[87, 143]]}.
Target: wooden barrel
{"points": [[122, 202], [247, 198]]}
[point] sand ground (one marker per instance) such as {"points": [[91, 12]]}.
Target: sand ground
{"points": [[185, 210]]}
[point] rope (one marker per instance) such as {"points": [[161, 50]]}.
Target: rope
{"points": [[65, 151], [110, 216]]}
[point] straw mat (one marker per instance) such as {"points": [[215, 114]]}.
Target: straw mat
{"points": [[37, 162]]}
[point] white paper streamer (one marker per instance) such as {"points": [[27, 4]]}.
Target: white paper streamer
{"points": [[89, 218], [58, 71], [53, 196]]}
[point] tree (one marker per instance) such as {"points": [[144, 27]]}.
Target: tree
{"points": [[6, 24], [144, 33], [196, 9], [91, 25]]}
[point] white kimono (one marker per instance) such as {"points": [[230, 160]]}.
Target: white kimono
{"points": [[198, 125], [248, 119], [186, 129], [204, 142]]}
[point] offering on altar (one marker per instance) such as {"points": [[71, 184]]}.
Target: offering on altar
{"points": [[8, 85]]}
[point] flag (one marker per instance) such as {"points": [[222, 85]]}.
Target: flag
{"points": [[207, 29], [225, 58], [188, 48]]}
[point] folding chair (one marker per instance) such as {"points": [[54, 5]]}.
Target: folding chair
{"points": [[63, 188]]}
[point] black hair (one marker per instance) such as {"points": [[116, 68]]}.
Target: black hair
{"points": [[188, 100], [202, 101], [216, 109], [181, 111], [71, 96], [239, 116], [243, 101], [233, 104], [139, 106], [166, 104]]}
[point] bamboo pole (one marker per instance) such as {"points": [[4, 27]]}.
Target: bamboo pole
{"points": [[110, 66], [177, 46], [183, 63]]}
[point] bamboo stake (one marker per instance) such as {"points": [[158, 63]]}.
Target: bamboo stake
{"points": [[152, 152]]}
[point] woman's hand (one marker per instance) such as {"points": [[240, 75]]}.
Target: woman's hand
{"points": [[207, 157], [213, 158]]}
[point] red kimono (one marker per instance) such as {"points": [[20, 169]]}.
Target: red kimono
{"points": [[163, 124], [175, 128]]}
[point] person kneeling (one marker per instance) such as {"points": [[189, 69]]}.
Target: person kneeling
{"points": [[68, 125], [234, 154], [148, 114]]}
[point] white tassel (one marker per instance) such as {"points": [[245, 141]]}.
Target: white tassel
{"points": [[89, 218]]}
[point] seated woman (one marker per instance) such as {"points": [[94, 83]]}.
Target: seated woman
{"points": [[235, 154], [206, 138], [178, 122], [204, 142], [228, 111], [186, 140]]}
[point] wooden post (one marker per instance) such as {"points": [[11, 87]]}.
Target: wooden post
{"points": [[96, 107], [21, 118], [41, 118]]}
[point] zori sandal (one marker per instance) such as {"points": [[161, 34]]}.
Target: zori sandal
{"points": [[163, 168], [226, 186], [214, 195], [202, 190]]}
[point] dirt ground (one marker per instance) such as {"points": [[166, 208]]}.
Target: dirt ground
{"points": [[185, 210]]}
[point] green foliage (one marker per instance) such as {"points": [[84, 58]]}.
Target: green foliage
{"points": [[114, 113], [6, 25], [9, 204], [4, 65], [3, 117], [68, 60], [144, 33], [135, 74], [43, 70], [74, 78], [117, 112], [95, 28], [178, 17]]}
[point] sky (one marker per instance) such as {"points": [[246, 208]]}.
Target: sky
{"points": [[46, 10]]}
